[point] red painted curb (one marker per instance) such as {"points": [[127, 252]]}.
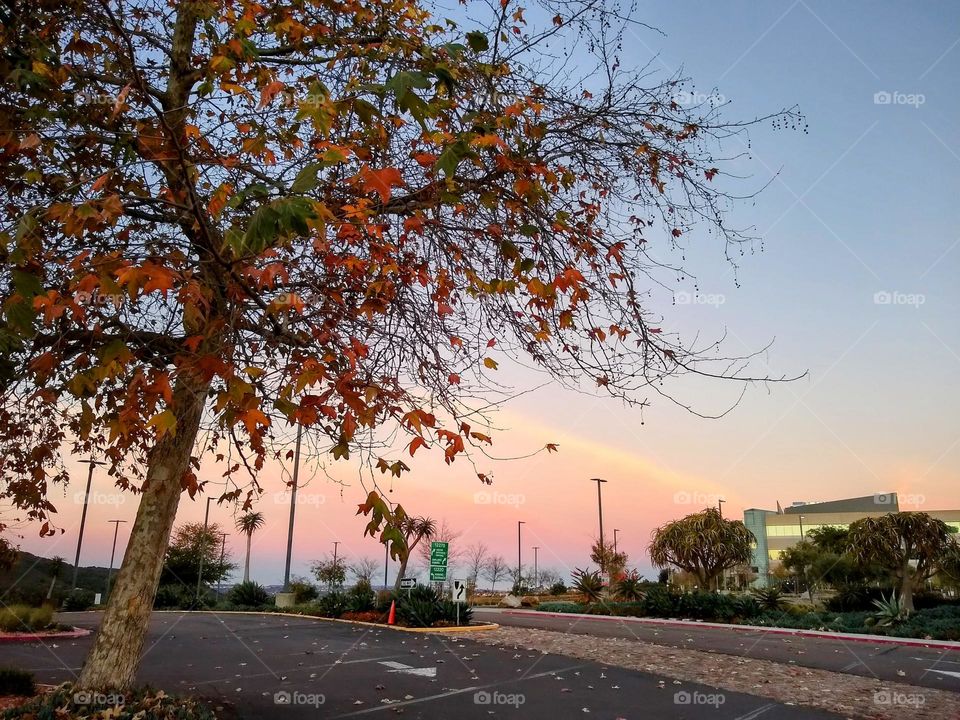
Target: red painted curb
{"points": [[876, 639], [40, 637]]}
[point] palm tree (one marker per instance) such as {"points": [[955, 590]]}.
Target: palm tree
{"points": [[249, 523], [704, 544], [414, 529], [56, 567]]}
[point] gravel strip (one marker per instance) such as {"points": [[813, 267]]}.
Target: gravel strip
{"points": [[850, 696]]}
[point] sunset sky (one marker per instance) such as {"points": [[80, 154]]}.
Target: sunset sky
{"points": [[855, 284]]}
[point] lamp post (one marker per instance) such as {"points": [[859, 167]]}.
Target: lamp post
{"points": [[335, 544], [116, 528], [615, 531], [536, 567], [386, 562], [720, 503], [801, 527], [519, 556], [603, 549], [83, 517], [293, 508], [206, 521], [223, 548]]}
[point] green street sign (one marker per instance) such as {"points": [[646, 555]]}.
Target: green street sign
{"points": [[438, 573], [439, 552]]}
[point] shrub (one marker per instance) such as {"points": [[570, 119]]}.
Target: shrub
{"points": [[746, 606], [16, 682], [855, 598], [660, 601], [769, 598], [360, 597], [23, 618], [303, 591], [61, 703], [78, 600], [332, 605], [587, 583], [448, 613], [371, 616], [383, 600], [168, 596], [703, 605], [560, 607], [558, 588], [248, 594]]}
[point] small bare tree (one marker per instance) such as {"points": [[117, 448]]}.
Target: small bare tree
{"points": [[363, 569], [476, 558], [496, 569]]}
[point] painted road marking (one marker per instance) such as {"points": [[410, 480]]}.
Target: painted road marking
{"points": [[407, 669]]}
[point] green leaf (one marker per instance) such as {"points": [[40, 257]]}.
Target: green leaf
{"points": [[306, 179], [401, 83], [477, 41], [450, 158]]}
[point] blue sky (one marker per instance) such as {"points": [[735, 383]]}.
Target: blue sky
{"points": [[856, 282]]}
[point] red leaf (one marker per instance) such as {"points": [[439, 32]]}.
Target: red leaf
{"points": [[417, 442]]}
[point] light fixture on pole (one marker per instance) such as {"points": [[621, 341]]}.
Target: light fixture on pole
{"points": [[603, 549], [335, 544], [293, 508], [720, 503], [83, 517], [615, 531], [116, 528]]}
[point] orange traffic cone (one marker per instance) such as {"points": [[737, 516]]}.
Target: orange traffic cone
{"points": [[392, 617]]}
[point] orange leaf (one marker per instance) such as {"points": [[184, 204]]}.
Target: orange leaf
{"points": [[381, 181], [417, 442]]}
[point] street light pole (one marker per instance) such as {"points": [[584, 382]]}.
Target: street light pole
{"points": [[293, 508], [603, 549], [720, 503], [223, 547], [83, 518], [203, 539], [335, 543], [386, 562], [116, 528], [536, 567], [615, 531], [519, 556]]}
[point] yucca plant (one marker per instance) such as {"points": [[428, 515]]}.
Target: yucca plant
{"points": [[889, 611], [769, 598], [588, 583], [629, 588]]}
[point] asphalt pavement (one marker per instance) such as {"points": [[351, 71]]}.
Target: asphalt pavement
{"points": [[263, 666], [928, 667]]}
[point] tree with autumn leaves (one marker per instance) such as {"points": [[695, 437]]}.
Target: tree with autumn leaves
{"points": [[225, 220]]}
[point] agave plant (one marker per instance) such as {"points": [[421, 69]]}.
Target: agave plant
{"points": [[889, 611], [629, 588], [588, 583], [769, 598]]}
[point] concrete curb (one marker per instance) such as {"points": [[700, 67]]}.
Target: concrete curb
{"points": [[824, 634], [40, 637], [438, 631]]}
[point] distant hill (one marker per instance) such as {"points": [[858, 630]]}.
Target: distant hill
{"points": [[29, 580]]}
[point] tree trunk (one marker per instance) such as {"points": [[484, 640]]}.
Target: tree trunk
{"points": [[906, 593], [115, 656], [401, 572], [53, 581], [246, 565]]}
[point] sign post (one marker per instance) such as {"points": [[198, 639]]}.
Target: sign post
{"points": [[439, 552], [459, 595], [408, 584]]}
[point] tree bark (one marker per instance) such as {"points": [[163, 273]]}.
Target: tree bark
{"points": [[246, 565], [906, 593], [115, 656]]}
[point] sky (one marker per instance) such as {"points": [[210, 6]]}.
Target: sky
{"points": [[856, 286]]}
